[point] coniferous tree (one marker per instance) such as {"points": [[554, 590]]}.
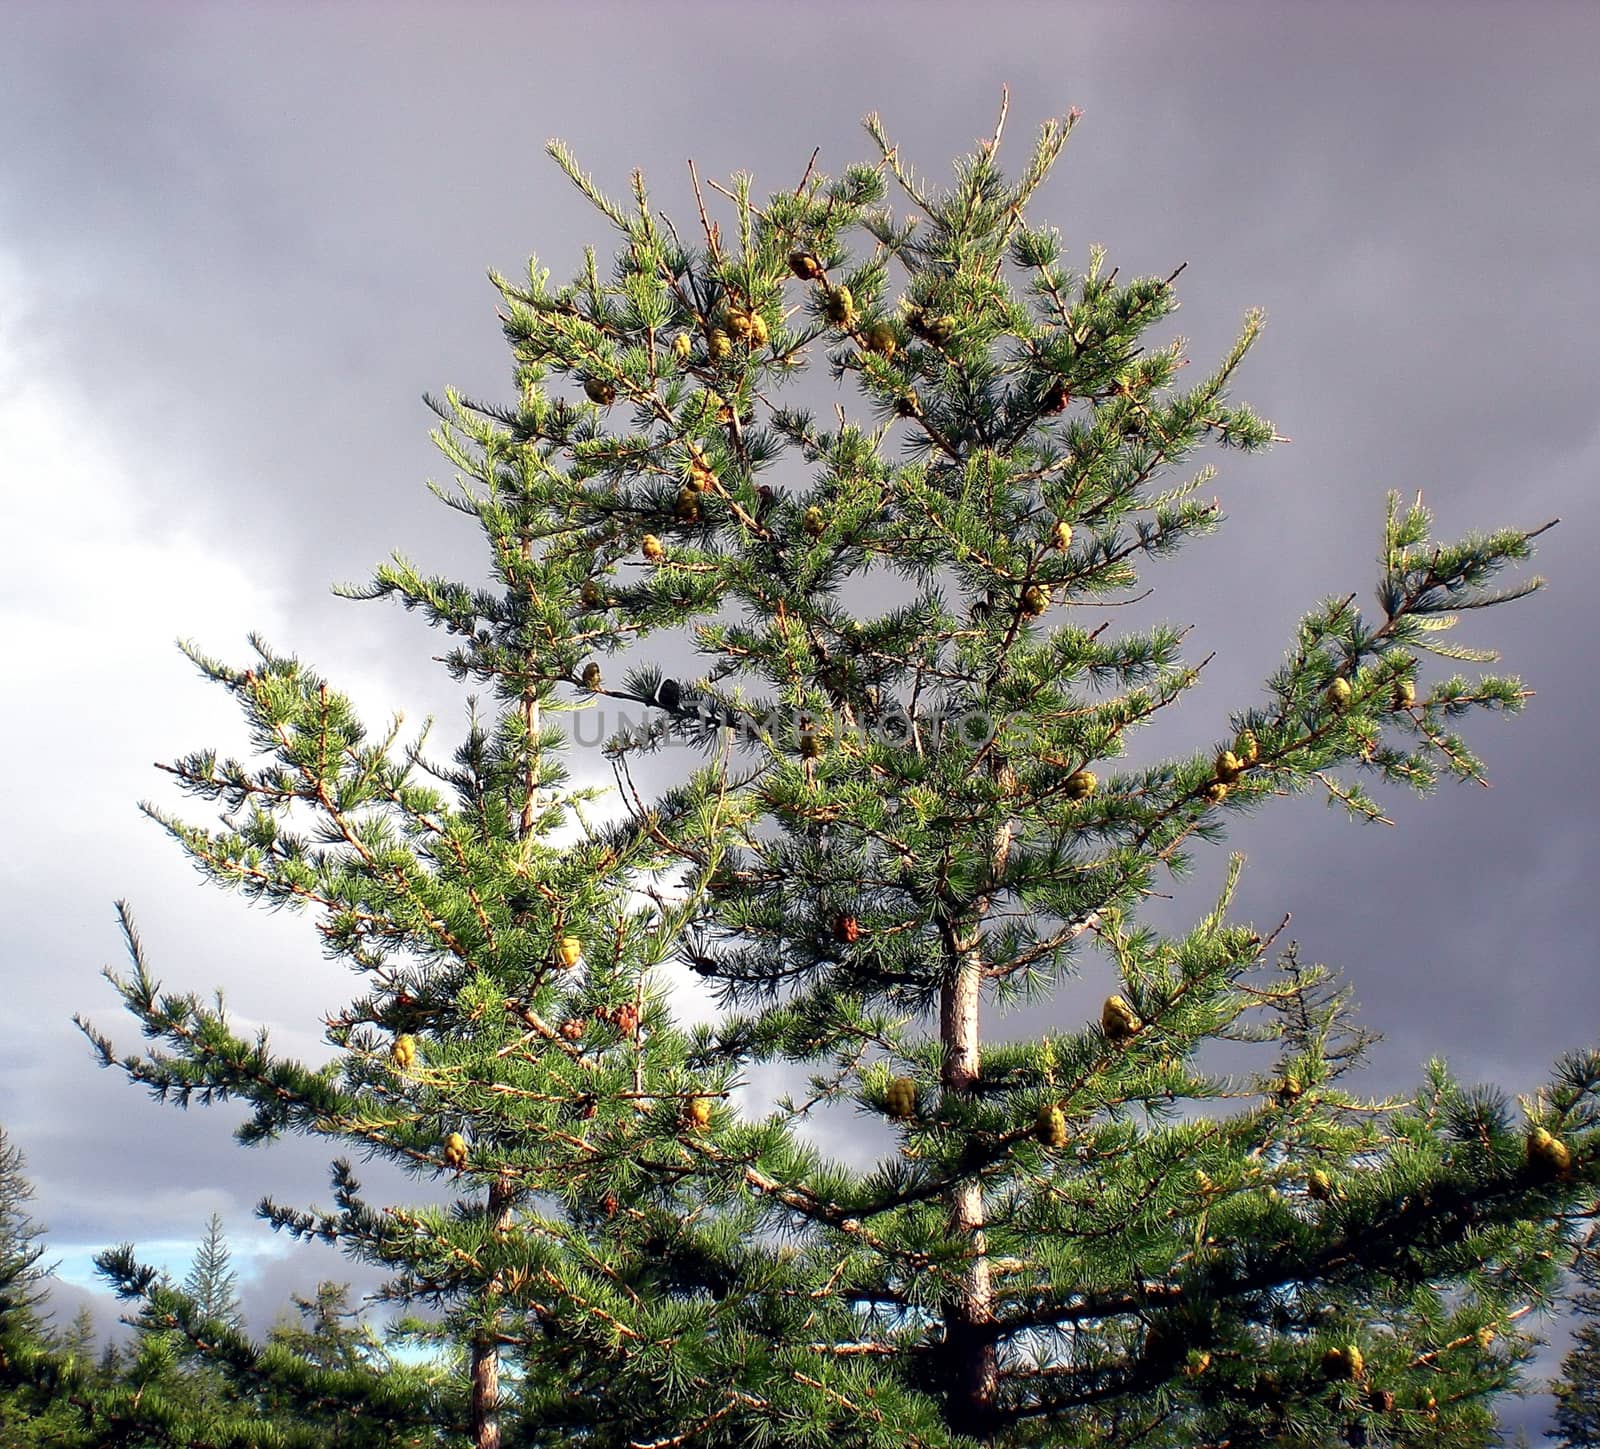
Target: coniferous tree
{"points": [[22, 1271], [1577, 1389], [330, 1333], [211, 1282], [912, 814]]}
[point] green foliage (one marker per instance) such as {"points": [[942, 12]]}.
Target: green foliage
{"points": [[904, 805]]}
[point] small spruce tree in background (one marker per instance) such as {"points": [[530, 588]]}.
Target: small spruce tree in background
{"points": [[910, 811], [211, 1283]]}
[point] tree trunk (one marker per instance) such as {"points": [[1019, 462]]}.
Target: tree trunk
{"points": [[486, 1347], [973, 1369]]}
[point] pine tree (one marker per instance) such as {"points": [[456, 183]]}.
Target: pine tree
{"points": [[910, 812], [330, 1334], [1577, 1389], [211, 1281], [22, 1272]]}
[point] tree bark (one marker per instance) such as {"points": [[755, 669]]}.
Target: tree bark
{"points": [[973, 1365], [972, 1358], [485, 1427]]}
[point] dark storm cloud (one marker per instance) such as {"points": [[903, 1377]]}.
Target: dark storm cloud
{"points": [[251, 237]]}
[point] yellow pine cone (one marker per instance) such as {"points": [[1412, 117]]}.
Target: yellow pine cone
{"points": [[1289, 1089], [1081, 784], [687, 507], [591, 595], [901, 1098], [718, 344], [759, 335], [738, 326], [840, 306], [569, 951], [1344, 1363], [1062, 536], [681, 346], [698, 1113], [455, 1151], [1118, 1020], [1548, 1155], [591, 676], [1338, 695], [651, 547], [1216, 792], [937, 330], [814, 521], [1035, 600], [1405, 694], [1246, 747], [1050, 1127], [1229, 767], [880, 338], [404, 1052], [599, 391]]}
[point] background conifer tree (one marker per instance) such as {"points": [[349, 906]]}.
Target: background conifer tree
{"points": [[922, 803], [1577, 1389], [211, 1282]]}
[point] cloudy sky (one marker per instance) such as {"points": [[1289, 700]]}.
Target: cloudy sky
{"points": [[237, 242]]}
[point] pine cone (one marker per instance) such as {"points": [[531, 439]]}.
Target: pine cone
{"points": [[1062, 535], [1344, 1363], [1246, 747], [455, 1151], [651, 547], [1216, 792], [1548, 1155], [1405, 694], [1228, 767], [839, 306], [404, 1052], [591, 595], [1081, 784], [599, 391], [1035, 600], [1337, 695], [805, 265], [1118, 1020], [1319, 1187], [681, 346], [901, 1098], [686, 509], [846, 930], [569, 951], [591, 676], [718, 345], [880, 338], [936, 329], [814, 521], [572, 1028], [698, 1113], [1050, 1127]]}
